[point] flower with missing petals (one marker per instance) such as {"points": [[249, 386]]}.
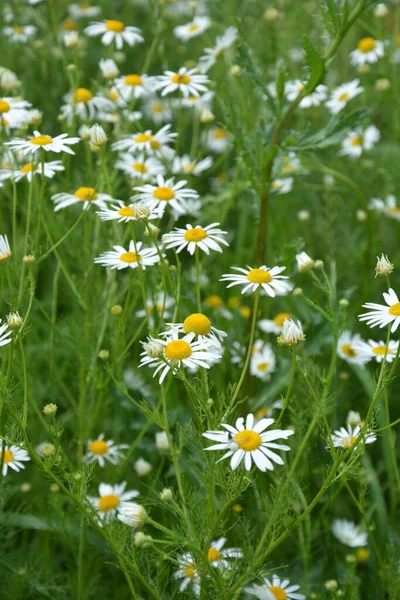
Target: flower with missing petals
{"points": [[349, 533], [383, 266], [292, 333]]}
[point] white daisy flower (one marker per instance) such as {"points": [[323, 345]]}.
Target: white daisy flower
{"points": [[199, 103], [275, 589], [193, 29], [173, 353], [5, 332], [296, 87], [205, 238], [111, 500], [383, 266], [191, 207], [101, 451], [13, 112], [388, 207], [368, 51], [292, 333], [358, 141], [341, 95], [39, 141], [377, 350], [211, 55], [263, 363], [20, 34], [282, 186], [108, 68], [304, 262], [138, 211], [12, 457], [140, 166], [86, 195], [5, 250], [157, 144], [28, 170], [134, 86], [217, 556], [166, 192], [132, 514], [185, 165], [84, 104], [349, 533], [383, 315], [250, 443], [274, 325], [349, 348], [217, 139], [188, 82], [81, 11], [290, 163], [119, 258], [199, 325], [267, 411], [142, 467], [159, 111], [346, 438], [160, 306], [270, 280], [115, 31], [188, 573]]}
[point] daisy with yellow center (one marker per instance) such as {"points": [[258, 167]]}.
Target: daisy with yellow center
{"points": [[350, 349], [359, 141], [266, 411], [368, 51], [276, 589], [188, 574], [115, 31], [349, 533], [80, 11], [193, 29], [188, 82], [122, 213], [140, 166], [165, 193], [342, 95], [296, 87], [20, 34], [185, 165], [263, 362], [87, 196], [282, 186], [383, 315], [379, 350], [12, 457], [101, 451], [250, 442], [217, 139], [134, 86], [205, 238], [136, 255], [85, 105], [388, 207], [269, 279], [113, 500], [15, 113], [28, 170], [218, 557], [41, 141], [274, 325], [146, 142], [346, 438], [200, 326]]}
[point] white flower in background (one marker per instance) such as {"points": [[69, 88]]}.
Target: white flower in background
{"points": [[237, 352], [81, 11], [40, 141], [353, 418], [199, 103], [101, 451], [205, 238], [250, 443], [142, 467], [200, 326], [138, 211], [193, 29], [70, 39], [217, 556], [383, 266], [368, 50], [188, 82], [191, 207], [270, 279], [86, 195], [383, 315], [292, 333], [223, 42], [14, 112], [346, 438], [132, 514], [274, 325], [388, 207], [111, 500], [188, 573], [282, 186], [5, 250], [134, 86], [275, 589], [191, 167], [165, 193], [162, 442], [20, 34], [378, 350], [341, 95], [263, 363], [84, 104], [119, 258], [160, 306], [108, 68], [140, 166], [154, 144], [349, 533], [158, 110], [359, 141], [296, 87], [290, 163], [267, 411], [8, 80], [349, 348], [304, 262], [115, 31], [12, 456], [97, 135], [217, 139]]}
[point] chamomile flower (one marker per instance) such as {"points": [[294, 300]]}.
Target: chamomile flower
{"points": [[263, 363], [134, 86], [160, 306], [108, 68], [349, 348], [165, 193], [20, 34], [383, 315], [140, 166], [185, 165], [346, 438], [120, 258], [211, 55], [218, 139], [274, 325], [5, 333], [199, 325], [188, 573], [267, 411], [86, 195], [378, 350], [5, 250], [282, 186], [358, 141], [205, 238], [199, 103], [81, 11], [290, 163], [12, 457], [296, 87], [101, 451], [13, 112], [159, 111], [40, 141], [193, 29], [217, 556], [292, 333], [368, 51], [154, 144], [84, 104], [349, 533], [250, 442], [173, 353], [138, 211], [388, 207], [342, 95], [304, 262], [115, 31], [188, 82], [112, 500], [275, 589], [270, 280]]}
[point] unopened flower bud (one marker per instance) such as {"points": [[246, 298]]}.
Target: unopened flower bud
{"points": [[103, 354], [383, 266], [343, 302], [142, 467], [304, 262], [319, 264], [9, 81], [25, 487], [14, 320], [381, 85], [235, 70], [303, 215], [108, 68], [54, 488], [361, 216], [116, 309], [71, 67], [381, 10], [162, 440], [84, 132], [36, 117], [97, 135], [166, 495], [297, 291], [207, 116], [363, 69], [331, 585], [271, 14], [151, 230], [142, 540], [50, 410]]}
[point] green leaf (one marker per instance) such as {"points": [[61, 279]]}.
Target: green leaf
{"points": [[316, 65], [245, 61], [330, 16], [280, 85]]}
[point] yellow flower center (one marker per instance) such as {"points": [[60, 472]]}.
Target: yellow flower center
{"points": [[394, 210], [8, 456], [189, 167], [238, 508], [280, 318], [41, 140], [348, 351], [300, 87], [178, 350], [190, 571], [164, 193], [140, 167], [98, 447], [362, 554], [348, 441], [157, 107], [115, 26], [130, 257], [180, 78], [83, 95], [219, 133], [18, 30], [248, 440], [366, 45], [193, 27], [265, 411], [213, 554], [244, 311], [214, 301], [69, 25], [108, 502], [155, 144], [395, 308], [263, 367], [381, 350], [193, 98], [277, 185], [113, 95], [195, 235], [278, 592], [343, 97], [126, 211], [133, 80], [197, 323], [142, 138], [85, 194], [4, 107], [28, 168], [357, 141], [259, 276], [84, 6]]}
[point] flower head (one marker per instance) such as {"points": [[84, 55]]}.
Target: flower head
{"points": [[383, 315], [346, 438], [45, 142], [368, 50], [115, 31], [383, 266], [120, 258], [12, 457], [112, 499], [275, 589], [101, 450], [349, 533], [270, 280], [292, 333], [205, 238]]}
